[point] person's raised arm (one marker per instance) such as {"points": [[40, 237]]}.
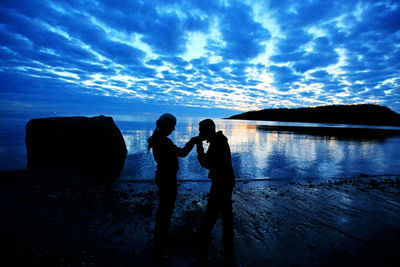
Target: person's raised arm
{"points": [[183, 152]]}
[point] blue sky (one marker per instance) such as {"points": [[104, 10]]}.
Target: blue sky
{"points": [[207, 58]]}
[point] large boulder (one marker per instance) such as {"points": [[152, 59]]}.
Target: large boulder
{"points": [[91, 145]]}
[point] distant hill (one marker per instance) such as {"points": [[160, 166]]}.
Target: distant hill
{"points": [[367, 114]]}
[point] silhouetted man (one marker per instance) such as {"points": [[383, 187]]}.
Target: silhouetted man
{"points": [[218, 160]]}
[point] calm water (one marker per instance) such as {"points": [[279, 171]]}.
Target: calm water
{"points": [[259, 154], [256, 153]]}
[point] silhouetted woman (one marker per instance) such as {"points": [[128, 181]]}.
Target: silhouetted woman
{"points": [[166, 154]]}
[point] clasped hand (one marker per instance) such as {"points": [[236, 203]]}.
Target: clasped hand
{"points": [[197, 140]]}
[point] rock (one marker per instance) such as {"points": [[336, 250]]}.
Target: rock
{"points": [[91, 145]]}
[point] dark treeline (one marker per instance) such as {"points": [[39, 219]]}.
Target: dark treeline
{"points": [[367, 114]]}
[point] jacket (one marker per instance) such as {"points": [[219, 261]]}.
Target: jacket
{"points": [[218, 160]]}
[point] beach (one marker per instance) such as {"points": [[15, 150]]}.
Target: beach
{"points": [[68, 219]]}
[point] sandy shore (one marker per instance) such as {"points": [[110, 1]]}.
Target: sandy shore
{"points": [[54, 218]]}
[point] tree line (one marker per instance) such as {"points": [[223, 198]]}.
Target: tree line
{"points": [[366, 114]]}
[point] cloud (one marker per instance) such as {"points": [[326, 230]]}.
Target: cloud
{"points": [[236, 54], [321, 52], [293, 41], [283, 77], [245, 38], [320, 74]]}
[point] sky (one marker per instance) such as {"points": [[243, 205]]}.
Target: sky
{"points": [[196, 58]]}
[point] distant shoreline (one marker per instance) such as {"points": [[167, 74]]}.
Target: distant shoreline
{"points": [[364, 114], [370, 133]]}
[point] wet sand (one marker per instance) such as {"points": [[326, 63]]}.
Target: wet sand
{"points": [[56, 218]]}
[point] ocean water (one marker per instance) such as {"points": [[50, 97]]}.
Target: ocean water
{"points": [[257, 154]]}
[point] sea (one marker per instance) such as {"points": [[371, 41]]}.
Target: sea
{"points": [[258, 153]]}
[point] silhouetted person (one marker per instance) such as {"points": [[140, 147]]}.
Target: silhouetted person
{"points": [[218, 160], [166, 154]]}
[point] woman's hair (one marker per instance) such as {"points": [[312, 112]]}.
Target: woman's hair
{"points": [[163, 121]]}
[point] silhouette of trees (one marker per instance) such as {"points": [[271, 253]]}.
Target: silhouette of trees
{"points": [[368, 114]]}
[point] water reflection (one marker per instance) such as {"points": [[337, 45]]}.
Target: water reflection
{"points": [[260, 153]]}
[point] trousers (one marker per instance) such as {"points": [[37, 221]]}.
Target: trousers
{"points": [[167, 196], [219, 203]]}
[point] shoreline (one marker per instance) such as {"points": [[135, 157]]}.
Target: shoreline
{"points": [[343, 132], [62, 219]]}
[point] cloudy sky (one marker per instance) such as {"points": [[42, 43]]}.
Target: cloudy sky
{"points": [[208, 57]]}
